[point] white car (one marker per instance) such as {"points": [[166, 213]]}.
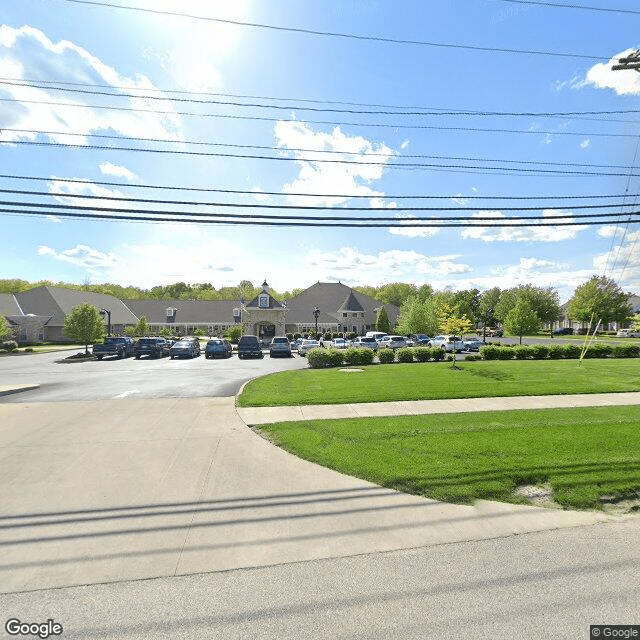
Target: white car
{"points": [[340, 343], [628, 333], [392, 342], [307, 345], [447, 343], [365, 342]]}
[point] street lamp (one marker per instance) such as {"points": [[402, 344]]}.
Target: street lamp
{"points": [[108, 314], [316, 313], [488, 315]]}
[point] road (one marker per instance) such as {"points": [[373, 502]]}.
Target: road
{"points": [[144, 378]]}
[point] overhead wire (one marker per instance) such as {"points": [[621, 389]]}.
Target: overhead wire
{"points": [[558, 5], [334, 34]]}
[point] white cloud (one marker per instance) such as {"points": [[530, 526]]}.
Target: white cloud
{"points": [[404, 145], [84, 188], [109, 169], [585, 143], [550, 233], [356, 266], [27, 52], [601, 76], [412, 232], [622, 261], [83, 256], [259, 195], [460, 199], [329, 177]]}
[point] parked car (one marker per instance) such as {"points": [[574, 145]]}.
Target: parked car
{"points": [[249, 347], [218, 348], [184, 349], [114, 346], [628, 333], [365, 342], [307, 345], [392, 342], [563, 331], [340, 343], [280, 346], [420, 339], [152, 347], [447, 343], [296, 344], [473, 344], [376, 335]]}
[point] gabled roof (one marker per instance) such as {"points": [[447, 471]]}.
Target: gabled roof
{"points": [[187, 311], [9, 305], [58, 302], [273, 303], [351, 304]]}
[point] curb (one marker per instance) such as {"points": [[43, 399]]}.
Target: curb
{"points": [[5, 391]]}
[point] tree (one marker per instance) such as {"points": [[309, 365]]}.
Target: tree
{"points": [[487, 306], [395, 293], [84, 325], [382, 321], [142, 328], [4, 328], [233, 333], [451, 322], [522, 319], [418, 317], [600, 298], [543, 300]]}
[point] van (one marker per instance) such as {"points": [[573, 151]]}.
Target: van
{"points": [[376, 335]]}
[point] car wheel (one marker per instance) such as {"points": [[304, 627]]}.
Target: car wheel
{"points": [[99, 357]]}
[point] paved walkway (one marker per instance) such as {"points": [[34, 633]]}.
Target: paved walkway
{"points": [[267, 415], [107, 491]]}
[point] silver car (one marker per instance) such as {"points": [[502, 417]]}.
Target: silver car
{"points": [[365, 342], [393, 342], [447, 343], [307, 345]]}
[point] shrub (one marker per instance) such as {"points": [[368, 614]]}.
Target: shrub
{"points": [[523, 352], [472, 358], [405, 354], [437, 354], [571, 351], [599, 351], [626, 351], [489, 352], [296, 336], [319, 358], [556, 351], [29, 350], [505, 353], [354, 355], [539, 351], [352, 335], [9, 345], [422, 354], [386, 356], [336, 357], [328, 336]]}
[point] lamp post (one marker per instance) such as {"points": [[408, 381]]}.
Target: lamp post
{"points": [[484, 324], [316, 313], [108, 314]]}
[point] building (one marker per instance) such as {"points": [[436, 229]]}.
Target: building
{"points": [[38, 314]]}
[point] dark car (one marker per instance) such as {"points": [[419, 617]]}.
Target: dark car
{"points": [[249, 347], [280, 347], [152, 347], [218, 348], [420, 339], [563, 331], [121, 347], [184, 349]]}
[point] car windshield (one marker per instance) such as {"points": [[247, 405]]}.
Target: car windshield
{"points": [[148, 340], [367, 340], [182, 343], [280, 340], [215, 342]]}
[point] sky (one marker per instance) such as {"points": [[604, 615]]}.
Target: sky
{"points": [[465, 108]]}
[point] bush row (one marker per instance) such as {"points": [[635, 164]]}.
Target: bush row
{"points": [[556, 351], [322, 358], [8, 345]]}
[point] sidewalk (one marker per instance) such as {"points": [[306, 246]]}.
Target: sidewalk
{"points": [[268, 415]]}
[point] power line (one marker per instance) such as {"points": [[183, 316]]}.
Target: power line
{"points": [[308, 221], [326, 122], [351, 36], [296, 149], [575, 115], [418, 111], [165, 187], [84, 196], [572, 6], [387, 165]]}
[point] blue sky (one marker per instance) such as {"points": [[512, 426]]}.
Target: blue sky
{"points": [[43, 42]]}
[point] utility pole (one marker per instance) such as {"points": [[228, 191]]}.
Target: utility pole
{"points": [[632, 61]]}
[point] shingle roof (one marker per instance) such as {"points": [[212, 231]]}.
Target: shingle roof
{"points": [[187, 311], [351, 304], [58, 302], [9, 305]]}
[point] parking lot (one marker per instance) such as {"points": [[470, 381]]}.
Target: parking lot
{"points": [[144, 378]]}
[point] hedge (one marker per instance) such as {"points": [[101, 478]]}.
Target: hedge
{"points": [[386, 356], [422, 354], [405, 354], [354, 355]]}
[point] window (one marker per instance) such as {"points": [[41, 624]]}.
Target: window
{"points": [[263, 302]]}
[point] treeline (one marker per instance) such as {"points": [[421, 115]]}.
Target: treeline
{"points": [[177, 291]]}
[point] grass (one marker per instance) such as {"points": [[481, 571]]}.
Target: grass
{"points": [[583, 453], [435, 380]]}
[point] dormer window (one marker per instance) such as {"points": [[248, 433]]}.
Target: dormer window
{"points": [[263, 301]]}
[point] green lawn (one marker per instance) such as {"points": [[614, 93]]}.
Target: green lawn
{"points": [[583, 453], [434, 380]]}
